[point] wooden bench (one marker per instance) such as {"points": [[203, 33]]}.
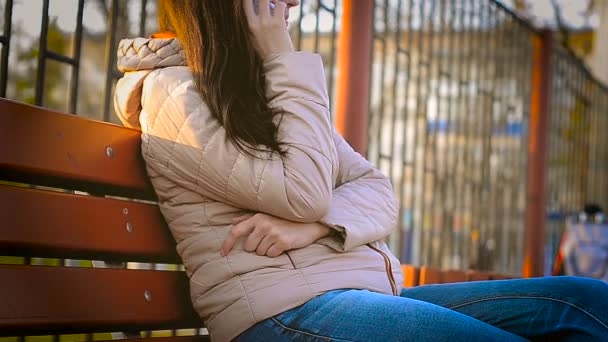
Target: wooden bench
{"points": [[116, 220], [73, 188], [416, 276]]}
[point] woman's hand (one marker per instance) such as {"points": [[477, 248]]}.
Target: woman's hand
{"points": [[269, 30], [271, 236]]}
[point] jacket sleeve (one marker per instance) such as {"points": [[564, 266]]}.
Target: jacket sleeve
{"points": [[363, 207], [296, 187]]}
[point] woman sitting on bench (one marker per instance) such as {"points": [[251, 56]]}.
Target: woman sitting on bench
{"points": [[279, 223]]}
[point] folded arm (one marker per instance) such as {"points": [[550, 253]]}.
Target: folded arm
{"points": [[363, 207], [296, 187]]}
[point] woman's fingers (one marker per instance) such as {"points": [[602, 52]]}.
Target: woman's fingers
{"points": [[253, 240], [264, 245], [274, 251], [264, 9], [268, 30], [241, 229], [242, 218], [249, 11]]}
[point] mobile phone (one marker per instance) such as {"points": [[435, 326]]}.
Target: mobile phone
{"points": [[256, 6]]}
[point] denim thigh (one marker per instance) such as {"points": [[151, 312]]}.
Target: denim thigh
{"points": [[566, 308], [361, 315]]}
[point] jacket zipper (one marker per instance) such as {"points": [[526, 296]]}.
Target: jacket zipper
{"points": [[389, 268]]}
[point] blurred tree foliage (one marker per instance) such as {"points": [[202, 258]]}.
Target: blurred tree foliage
{"points": [[27, 59]]}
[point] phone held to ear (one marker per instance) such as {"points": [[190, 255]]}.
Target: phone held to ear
{"points": [[256, 6]]}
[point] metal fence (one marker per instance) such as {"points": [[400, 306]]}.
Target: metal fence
{"points": [[578, 143], [449, 109], [449, 117], [64, 52]]}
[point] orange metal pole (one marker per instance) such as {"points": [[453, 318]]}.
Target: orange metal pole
{"points": [[354, 68], [537, 156]]}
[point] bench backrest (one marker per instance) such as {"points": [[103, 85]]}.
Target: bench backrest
{"points": [[51, 159], [73, 188]]}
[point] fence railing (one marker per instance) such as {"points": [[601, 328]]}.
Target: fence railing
{"points": [[449, 117], [450, 109], [578, 143]]}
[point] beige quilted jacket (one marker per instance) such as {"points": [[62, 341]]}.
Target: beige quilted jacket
{"points": [[203, 182]]}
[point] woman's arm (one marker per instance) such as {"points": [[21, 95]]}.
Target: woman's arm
{"points": [[364, 207], [189, 144], [271, 236]]}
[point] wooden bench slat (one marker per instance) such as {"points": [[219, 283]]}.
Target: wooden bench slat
{"points": [[453, 276], [496, 276], [411, 275], [61, 225], [55, 149], [71, 300], [429, 275], [195, 338], [477, 276]]}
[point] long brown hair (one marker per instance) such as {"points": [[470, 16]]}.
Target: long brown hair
{"points": [[227, 69]]}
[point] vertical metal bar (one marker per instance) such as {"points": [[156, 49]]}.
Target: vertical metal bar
{"points": [[593, 180], [431, 167], [442, 204], [424, 113], [563, 98], [143, 15], [379, 113], [396, 70], [597, 166], [523, 93], [299, 41], [484, 135], [438, 203], [354, 58], [574, 124], [602, 141], [418, 202], [567, 133], [535, 213], [509, 77], [502, 56], [476, 132], [450, 142], [372, 144], [404, 245], [110, 58], [466, 178], [572, 132], [318, 19], [76, 53], [416, 216], [459, 122], [332, 58], [492, 192], [6, 45], [580, 112], [426, 65], [42, 49], [382, 108], [584, 133]]}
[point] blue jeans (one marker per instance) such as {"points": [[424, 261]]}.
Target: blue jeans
{"points": [[552, 308]]}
